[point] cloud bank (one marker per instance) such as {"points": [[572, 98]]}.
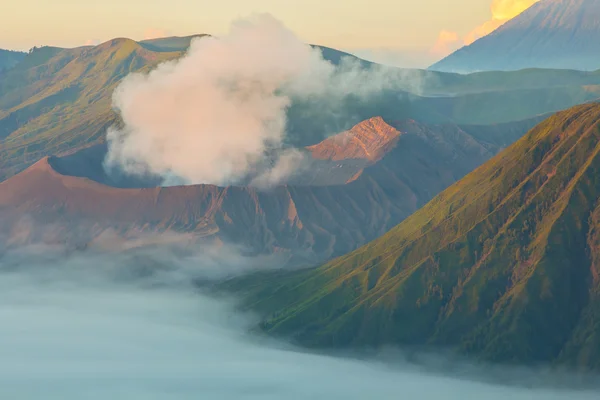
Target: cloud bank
{"points": [[211, 116], [94, 326]]}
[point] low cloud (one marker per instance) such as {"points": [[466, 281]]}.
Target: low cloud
{"points": [[211, 116], [93, 326]]}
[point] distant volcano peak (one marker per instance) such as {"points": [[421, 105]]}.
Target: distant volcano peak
{"points": [[560, 34]]}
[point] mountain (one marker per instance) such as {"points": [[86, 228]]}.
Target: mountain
{"points": [[502, 265], [58, 101], [359, 184], [551, 34], [9, 59]]}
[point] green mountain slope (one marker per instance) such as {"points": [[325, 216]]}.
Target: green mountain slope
{"points": [[505, 264], [59, 100], [9, 59]]}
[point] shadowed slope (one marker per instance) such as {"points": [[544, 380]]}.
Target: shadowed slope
{"points": [[9, 59], [170, 44]]}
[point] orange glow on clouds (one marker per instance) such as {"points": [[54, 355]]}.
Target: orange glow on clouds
{"points": [[508, 9], [153, 33], [502, 12], [447, 41]]}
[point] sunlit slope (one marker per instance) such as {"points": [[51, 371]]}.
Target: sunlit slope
{"points": [[60, 99], [503, 264]]}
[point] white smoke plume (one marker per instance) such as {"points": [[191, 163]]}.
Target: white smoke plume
{"points": [[287, 164], [93, 326], [210, 116]]}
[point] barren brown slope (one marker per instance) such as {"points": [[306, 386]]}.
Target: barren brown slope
{"points": [[309, 221], [312, 222], [369, 140]]}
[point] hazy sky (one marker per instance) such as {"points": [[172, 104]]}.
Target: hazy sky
{"points": [[383, 29]]}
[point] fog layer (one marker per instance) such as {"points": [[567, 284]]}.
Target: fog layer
{"points": [[121, 326]]}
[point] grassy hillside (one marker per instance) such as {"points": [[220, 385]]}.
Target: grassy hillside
{"points": [[503, 265], [59, 100]]}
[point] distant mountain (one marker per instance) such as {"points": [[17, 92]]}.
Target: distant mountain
{"points": [[359, 185], [503, 265], [9, 59], [550, 34]]}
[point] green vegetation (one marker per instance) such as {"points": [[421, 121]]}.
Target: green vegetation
{"points": [[59, 100], [9, 59], [503, 265]]}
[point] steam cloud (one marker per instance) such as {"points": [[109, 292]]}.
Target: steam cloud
{"points": [[97, 326], [211, 116]]}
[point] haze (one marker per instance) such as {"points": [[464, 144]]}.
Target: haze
{"points": [[92, 326]]}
